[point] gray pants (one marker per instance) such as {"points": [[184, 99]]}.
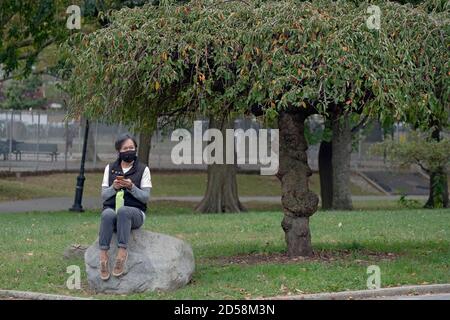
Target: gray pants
{"points": [[127, 218]]}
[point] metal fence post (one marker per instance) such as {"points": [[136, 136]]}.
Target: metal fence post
{"points": [[66, 130], [38, 139]]}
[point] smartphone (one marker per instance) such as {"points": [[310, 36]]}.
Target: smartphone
{"points": [[120, 177]]}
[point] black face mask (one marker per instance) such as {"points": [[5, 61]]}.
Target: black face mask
{"points": [[128, 156]]}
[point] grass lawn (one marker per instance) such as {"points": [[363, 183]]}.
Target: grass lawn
{"points": [[164, 184], [410, 247]]}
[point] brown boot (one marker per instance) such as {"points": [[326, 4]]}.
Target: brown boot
{"points": [[121, 260]]}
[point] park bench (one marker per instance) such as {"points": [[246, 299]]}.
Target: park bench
{"points": [[6, 149], [44, 148]]}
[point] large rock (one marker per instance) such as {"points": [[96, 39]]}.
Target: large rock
{"points": [[75, 251], [155, 262]]}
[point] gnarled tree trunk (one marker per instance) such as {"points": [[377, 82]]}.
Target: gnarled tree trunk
{"points": [[340, 158], [298, 202], [221, 190]]}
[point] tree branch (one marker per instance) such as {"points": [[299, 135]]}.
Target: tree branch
{"points": [[421, 166], [39, 73], [226, 1], [29, 54], [361, 124]]}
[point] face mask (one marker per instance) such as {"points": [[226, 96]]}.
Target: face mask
{"points": [[128, 156]]}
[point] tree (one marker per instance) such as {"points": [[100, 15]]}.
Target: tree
{"points": [[285, 59], [430, 110], [29, 27], [431, 155], [325, 59], [180, 86], [438, 195], [23, 94], [326, 170], [26, 28], [221, 193], [341, 132], [337, 195]]}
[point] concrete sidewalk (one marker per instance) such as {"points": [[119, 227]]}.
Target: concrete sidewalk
{"points": [[64, 203]]}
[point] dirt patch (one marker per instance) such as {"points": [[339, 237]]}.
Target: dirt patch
{"points": [[365, 257]]}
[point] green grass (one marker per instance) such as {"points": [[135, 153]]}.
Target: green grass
{"points": [[164, 184], [32, 244]]}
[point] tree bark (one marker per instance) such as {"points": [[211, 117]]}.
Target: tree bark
{"points": [[326, 175], [298, 202], [341, 157], [445, 195], [438, 194], [145, 145], [90, 148], [221, 190]]}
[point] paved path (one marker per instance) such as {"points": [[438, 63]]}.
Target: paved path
{"points": [[64, 203]]}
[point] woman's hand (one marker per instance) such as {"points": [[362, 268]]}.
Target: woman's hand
{"points": [[127, 183], [117, 184]]}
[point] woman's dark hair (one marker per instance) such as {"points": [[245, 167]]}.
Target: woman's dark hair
{"points": [[122, 138]]}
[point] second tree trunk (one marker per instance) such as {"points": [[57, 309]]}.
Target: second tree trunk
{"points": [[221, 190], [341, 146]]}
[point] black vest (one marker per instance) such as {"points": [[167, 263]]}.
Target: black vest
{"points": [[135, 174]]}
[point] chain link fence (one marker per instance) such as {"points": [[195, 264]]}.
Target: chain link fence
{"points": [[43, 140]]}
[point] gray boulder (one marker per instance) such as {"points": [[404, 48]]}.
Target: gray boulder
{"points": [[155, 262], [75, 251]]}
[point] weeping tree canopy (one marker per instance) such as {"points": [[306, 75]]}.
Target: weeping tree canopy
{"points": [[160, 61], [325, 57], [284, 59], [207, 56]]}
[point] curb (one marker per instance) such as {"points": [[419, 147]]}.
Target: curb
{"points": [[368, 294], [27, 295], [345, 295]]}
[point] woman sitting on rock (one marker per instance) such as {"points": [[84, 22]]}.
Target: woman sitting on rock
{"points": [[125, 192]]}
